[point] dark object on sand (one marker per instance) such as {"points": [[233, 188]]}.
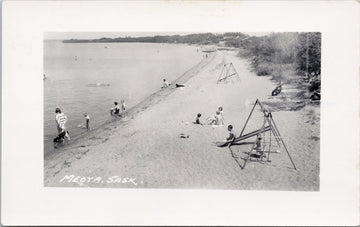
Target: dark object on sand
{"points": [[276, 91], [315, 96], [60, 138], [179, 85], [315, 84], [182, 135]]}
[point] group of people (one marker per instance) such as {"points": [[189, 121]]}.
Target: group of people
{"points": [[61, 120], [217, 119], [117, 110]]}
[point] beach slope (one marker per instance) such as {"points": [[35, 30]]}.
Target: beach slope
{"points": [[157, 146]]}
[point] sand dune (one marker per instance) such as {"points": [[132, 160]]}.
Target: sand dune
{"points": [[145, 149]]}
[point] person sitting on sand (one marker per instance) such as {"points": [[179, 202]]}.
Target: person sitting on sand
{"points": [[115, 110], [215, 120], [165, 84], [231, 134], [197, 121]]}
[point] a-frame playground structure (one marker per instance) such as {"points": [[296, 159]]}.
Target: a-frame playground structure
{"points": [[228, 72], [268, 130]]}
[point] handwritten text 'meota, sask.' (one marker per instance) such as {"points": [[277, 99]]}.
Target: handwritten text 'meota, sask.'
{"points": [[99, 180]]}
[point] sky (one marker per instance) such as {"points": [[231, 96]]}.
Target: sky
{"points": [[98, 35]]}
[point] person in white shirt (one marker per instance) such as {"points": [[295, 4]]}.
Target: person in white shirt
{"points": [[165, 84], [222, 115], [87, 118], [123, 107], [61, 120]]}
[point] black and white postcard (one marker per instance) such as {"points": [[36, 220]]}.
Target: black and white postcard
{"points": [[180, 113]]}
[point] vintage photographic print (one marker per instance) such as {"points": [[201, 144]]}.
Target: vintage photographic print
{"points": [[228, 110]]}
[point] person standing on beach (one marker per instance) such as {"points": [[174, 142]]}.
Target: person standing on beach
{"points": [[61, 120], [123, 107], [221, 114], [87, 119], [219, 119]]}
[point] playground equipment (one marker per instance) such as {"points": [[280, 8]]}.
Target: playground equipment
{"points": [[228, 72], [259, 148]]}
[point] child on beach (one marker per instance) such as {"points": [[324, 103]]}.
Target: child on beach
{"points": [[221, 115], [197, 120], [218, 118], [258, 147], [165, 84], [115, 110], [215, 120], [258, 143], [87, 119], [231, 134], [123, 107]]}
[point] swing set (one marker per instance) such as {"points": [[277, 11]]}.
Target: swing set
{"points": [[228, 72], [259, 149]]}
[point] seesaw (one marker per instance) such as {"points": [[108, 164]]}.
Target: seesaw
{"points": [[244, 137]]}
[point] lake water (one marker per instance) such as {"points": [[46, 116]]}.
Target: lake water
{"points": [[132, 70]]}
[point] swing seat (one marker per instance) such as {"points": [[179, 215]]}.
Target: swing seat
{"points": [[257, 154]]}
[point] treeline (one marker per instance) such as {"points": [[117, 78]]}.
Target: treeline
{"points": [[287, 57], [200, 39], [301, 49]]}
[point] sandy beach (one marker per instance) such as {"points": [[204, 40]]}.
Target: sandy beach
{"points": [[145, 148]]}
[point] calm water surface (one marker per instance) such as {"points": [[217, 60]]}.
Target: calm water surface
{"points": [[133, 71]]}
